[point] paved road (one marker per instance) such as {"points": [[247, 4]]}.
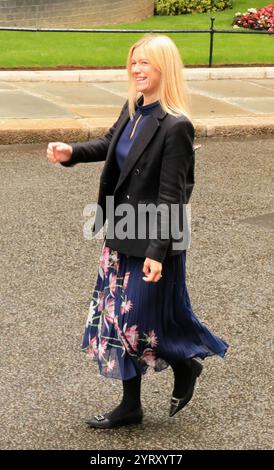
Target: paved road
{"points": [[47, 271]]}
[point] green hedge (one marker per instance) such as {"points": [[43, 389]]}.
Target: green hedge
{"points": [[181, 7]]}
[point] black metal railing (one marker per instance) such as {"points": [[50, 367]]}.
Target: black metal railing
{"points": [[211, 31]]}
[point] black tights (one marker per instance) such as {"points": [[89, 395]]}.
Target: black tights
{"points": [[131, 397], [132, 388], [181, 370]]}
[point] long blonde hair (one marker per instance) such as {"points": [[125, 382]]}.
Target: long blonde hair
{"points": [[163, 55]]}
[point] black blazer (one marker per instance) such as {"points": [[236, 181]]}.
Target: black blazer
{"points": [[159, 169]]}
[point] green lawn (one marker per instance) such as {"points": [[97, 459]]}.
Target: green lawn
{"points": [[91, 49]]}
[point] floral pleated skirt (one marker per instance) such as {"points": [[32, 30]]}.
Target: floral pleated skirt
{"points": [[133, 324]]}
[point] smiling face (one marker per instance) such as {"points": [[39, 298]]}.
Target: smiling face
{"points": [[145, 76]]}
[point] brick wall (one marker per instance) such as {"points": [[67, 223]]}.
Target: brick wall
{"points": [[72, 13]]}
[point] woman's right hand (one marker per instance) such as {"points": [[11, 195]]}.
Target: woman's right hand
{"points": [[59, 152]]}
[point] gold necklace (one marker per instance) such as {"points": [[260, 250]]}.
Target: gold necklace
{"points": [[134, 127]]}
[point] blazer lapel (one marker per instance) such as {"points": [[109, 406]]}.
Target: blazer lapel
{"points": [[138, 146]]}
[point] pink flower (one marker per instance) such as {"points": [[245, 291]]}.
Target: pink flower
{"points": [[122, 336], [126, 306], [116, 266], [132, 336], [112, 282], [92, 348], [110, 365], [152, 339], [148, 357], [257, 19], [90, 352], [125, 283], [104, 259], [102, 348], [101, 301], [110, 306]]}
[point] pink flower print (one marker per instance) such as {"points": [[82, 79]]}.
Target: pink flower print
{"points": [[93, 343], [102, 348], [110, 365], [152, 339], [132, 336], [114, 261], [110, 306], [101, 301], [112, 282], [92, 348], [125, 283], [90, 352], [122, 337], [126, 305], [104, 259], [116, 266], [148, 357]]}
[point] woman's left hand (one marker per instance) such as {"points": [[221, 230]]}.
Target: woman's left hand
{"points": [[152, 270]]}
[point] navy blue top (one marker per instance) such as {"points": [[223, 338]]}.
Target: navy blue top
{"points": [[124, 143]]}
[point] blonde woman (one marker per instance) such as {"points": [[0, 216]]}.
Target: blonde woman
{"points": [[140, 313]]}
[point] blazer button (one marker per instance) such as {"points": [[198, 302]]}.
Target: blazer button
{"points": [[137, 171]]}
